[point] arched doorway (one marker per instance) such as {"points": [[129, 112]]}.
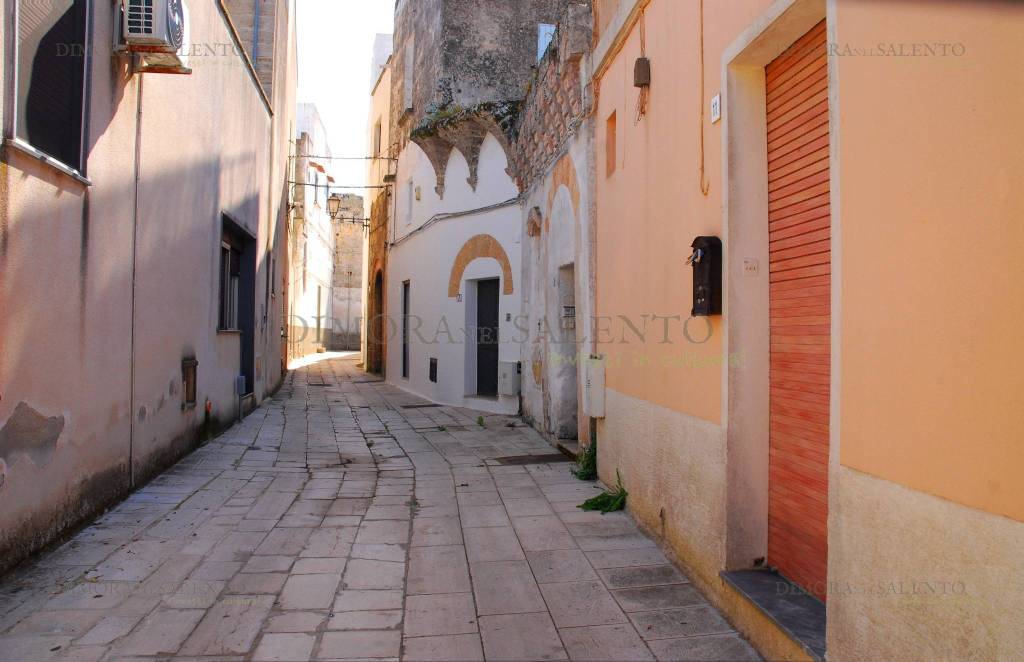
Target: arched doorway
{"points": [[375, 332]]}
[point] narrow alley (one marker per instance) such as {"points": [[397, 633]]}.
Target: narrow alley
{"points": [[330, 328], [347, 519]]}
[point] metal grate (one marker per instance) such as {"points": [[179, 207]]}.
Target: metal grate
{"points": [[140, 16], [189, 368]]}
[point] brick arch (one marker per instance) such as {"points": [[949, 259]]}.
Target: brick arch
{"points": [[478, 246], [564, 174]]}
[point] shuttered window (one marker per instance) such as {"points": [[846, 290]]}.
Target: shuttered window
{"points": [[51, 58]]}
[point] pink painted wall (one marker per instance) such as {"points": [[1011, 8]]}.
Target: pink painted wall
{"points": [[208, 144]]}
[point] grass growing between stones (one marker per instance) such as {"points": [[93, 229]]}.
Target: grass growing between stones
{"points": [[609, 500], [586, 462]]}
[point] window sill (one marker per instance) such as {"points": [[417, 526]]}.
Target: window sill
{"points": [[28, 150], [231, 332]]}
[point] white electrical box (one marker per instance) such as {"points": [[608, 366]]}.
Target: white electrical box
{"points": [[508, 377], [593, 386]]}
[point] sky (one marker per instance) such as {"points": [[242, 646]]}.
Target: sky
{"points": [[335, 44]]}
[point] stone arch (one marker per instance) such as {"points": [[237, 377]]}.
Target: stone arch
{"points": [[478, 246], [564, 174], [466, 135], [454, 172]]}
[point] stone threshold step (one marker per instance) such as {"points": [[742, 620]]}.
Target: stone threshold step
{"points": [[798, 614]]}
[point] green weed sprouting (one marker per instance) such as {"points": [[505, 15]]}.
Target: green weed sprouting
{"points": [[586, 462], [609, 501]]}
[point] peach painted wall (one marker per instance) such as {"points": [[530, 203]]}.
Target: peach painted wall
{"points": [[652, 207], [931, 204]]}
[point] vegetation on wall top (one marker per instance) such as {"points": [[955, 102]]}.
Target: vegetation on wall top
{"points": [[449, 115]]}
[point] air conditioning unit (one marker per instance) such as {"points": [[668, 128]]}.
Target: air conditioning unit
{"points": [[155, 26]]}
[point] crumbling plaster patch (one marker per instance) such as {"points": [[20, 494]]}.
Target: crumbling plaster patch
{"points": [[29, 433]]}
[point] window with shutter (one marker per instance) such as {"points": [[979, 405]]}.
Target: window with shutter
{"points": [[50, 61]]}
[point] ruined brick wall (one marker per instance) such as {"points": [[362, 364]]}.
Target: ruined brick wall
{"points": [[465, 52], [490, 48], [557, 102], [418, 35]]}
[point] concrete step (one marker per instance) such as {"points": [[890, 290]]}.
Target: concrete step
{"points": [[570, 447]]}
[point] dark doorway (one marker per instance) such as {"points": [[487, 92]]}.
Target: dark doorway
{"points": [[238, 294], [405, 329], [375, 341], [564, 383], [487, 337]]}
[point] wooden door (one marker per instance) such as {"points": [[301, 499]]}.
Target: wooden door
{"points": [[487, 337], [799, 235]]}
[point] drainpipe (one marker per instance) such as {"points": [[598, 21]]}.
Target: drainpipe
{"points": [[255, 31], [135, 235]]}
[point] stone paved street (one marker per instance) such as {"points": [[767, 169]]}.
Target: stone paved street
{"points": [[347, 519]]}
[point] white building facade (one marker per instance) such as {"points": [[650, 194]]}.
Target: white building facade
{"points": [[310, 300], [452, 296], [453, 288]]}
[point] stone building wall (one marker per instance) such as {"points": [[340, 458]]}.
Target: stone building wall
{"points": [[465, 53], [347, 285]]}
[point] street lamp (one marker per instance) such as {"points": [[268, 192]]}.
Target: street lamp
{"points": [[334, 206]]}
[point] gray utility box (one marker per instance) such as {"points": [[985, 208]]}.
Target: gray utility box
{"points": [[508, 377]]}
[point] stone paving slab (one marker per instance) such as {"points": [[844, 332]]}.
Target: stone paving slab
{"points": [[335, 524]]}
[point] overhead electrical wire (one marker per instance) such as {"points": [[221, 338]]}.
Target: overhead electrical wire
{"points": [[338, 186], [342, 158]]}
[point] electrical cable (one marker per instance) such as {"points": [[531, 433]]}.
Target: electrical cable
{"points": [[705, 185], [641, 100]]}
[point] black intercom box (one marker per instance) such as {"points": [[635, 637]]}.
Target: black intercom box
{"points": [[706, 261]]}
